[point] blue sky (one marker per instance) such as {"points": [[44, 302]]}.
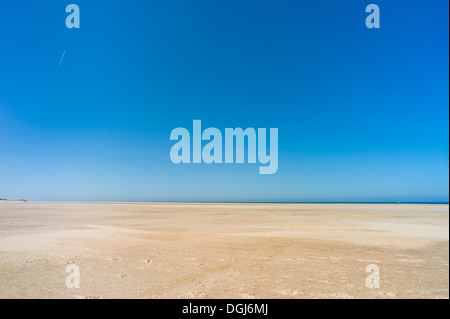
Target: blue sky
{"points": [[362, 113]]}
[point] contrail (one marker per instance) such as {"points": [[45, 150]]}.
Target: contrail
{"points": [[59, 65]]}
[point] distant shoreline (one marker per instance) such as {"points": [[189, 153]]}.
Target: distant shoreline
{"points": [[231, 202]]}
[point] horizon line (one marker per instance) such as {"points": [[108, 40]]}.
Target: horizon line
{"points": [[236, 202]]}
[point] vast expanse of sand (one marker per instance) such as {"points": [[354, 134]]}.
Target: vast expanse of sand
{"points": [[153, 250]]}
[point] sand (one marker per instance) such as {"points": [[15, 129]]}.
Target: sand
{"points": [[164, 250]]}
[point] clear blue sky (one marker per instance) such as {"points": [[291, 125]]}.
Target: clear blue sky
{"points": [[362, 114]]}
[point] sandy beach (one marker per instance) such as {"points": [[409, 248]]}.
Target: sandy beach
{"points": [[167, 250]]}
